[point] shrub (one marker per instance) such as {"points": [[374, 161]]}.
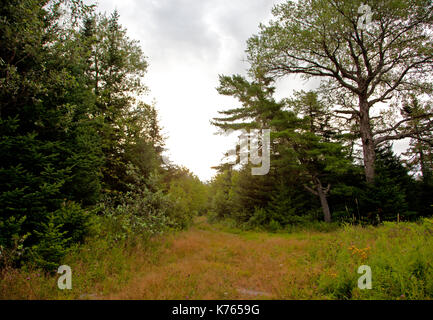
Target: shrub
{"points": [[274, 226], [51, 247], [139, 215], [259, 218]]}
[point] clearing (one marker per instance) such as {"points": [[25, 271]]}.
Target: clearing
{"points": [[208, 262]]}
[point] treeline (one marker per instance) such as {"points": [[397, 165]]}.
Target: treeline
{"points": [[80, 152], [331, 148]]}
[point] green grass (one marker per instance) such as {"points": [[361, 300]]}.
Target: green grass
{"points": [[400, 256]]}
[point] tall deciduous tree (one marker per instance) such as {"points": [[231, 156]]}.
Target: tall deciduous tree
{"points": [[364, 66]]}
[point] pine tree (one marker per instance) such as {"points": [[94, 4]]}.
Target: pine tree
{"points": [[303, 138]]}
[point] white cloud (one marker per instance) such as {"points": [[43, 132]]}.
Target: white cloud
{"points": [[188, 44]]}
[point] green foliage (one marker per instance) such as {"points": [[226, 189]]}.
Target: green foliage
{"points": [[188, 195], [221, 190], [387, 197], [139, 216], [259, 218], [51, 246], [394, 275], [142, 212], [304, 144], [283, 207], [49, 148], [274, 226], [71, 127], [74, 221]]}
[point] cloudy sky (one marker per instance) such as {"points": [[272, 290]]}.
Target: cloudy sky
{"points": [[188, 44]]}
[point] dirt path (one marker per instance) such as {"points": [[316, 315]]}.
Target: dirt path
{"points": [[208, 263]]}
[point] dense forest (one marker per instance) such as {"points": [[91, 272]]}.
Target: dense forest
{"points": [[81, 152]]}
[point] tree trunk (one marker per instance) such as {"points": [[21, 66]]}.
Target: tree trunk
{"points": [[324, 203], [367, 141], [322, 194], [323, 199]]}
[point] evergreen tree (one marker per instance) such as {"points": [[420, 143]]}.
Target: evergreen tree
{"points": [[302, 143], [70, 121], [387, 198]]}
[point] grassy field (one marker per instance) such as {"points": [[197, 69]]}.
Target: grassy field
{"points": [[210, 261]]}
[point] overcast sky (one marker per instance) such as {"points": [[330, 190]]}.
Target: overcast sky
{"points": [[188, 44]]}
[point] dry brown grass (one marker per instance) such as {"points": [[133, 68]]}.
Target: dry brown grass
{"points": [[202, 263]]}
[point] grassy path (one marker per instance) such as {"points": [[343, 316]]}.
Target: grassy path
{"points": [[206, 262], [214, 262]]}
